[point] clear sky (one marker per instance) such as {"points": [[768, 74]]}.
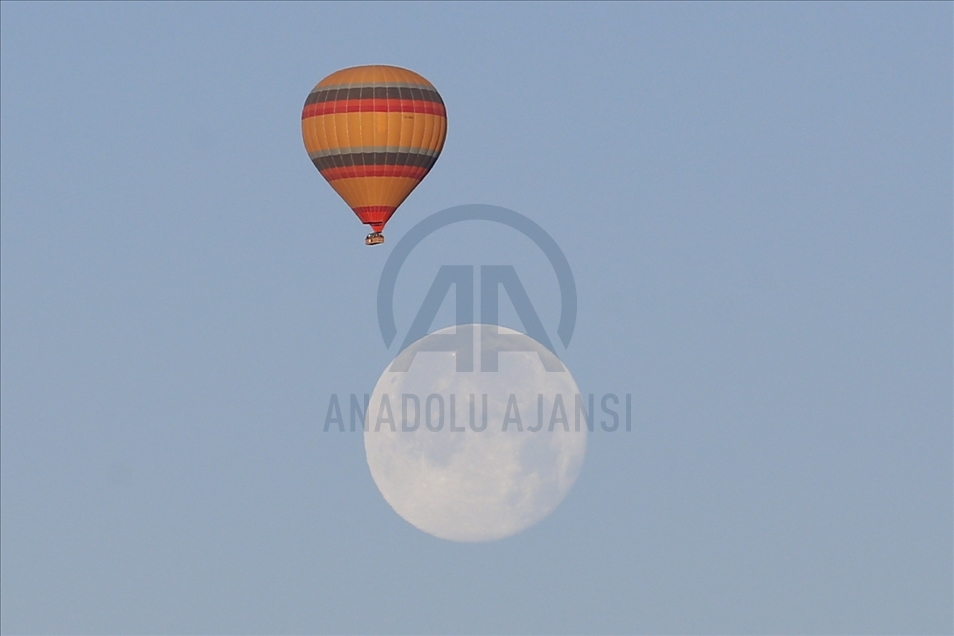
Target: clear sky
{"points": [[756, 203]]}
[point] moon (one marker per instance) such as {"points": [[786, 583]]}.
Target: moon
{"points": [[475, 455]]}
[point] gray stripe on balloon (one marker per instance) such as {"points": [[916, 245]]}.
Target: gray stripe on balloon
{"points": [[477, 212]]}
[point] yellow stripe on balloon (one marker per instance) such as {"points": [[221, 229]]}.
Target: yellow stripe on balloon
{"points": [[367, 191], [402, 129]]}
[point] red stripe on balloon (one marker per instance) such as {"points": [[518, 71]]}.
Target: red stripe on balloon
{"points": [[353, 172], [373, 106], [375, 215]]}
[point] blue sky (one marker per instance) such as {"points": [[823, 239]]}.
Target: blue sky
{"points": [[755, 200]]}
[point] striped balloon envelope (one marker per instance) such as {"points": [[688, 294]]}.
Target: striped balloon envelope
{"points": [[374, 132]]}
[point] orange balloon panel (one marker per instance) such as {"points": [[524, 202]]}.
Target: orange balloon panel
{"points": [[374, 132]]}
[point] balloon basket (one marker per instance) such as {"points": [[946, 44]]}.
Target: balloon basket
{"points": [[374, 238]]}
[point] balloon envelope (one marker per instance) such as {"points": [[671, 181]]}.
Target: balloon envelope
{"points": [[374, 132]]}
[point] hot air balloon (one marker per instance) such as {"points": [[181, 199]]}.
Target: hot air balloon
{"points": [[374, 132]]}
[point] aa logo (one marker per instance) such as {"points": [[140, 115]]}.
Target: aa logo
{"points": [[493, 279]]}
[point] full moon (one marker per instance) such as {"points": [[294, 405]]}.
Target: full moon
{"points": [[475, 455]]}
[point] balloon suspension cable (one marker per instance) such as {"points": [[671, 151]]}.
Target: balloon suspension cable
{"points": [[374, 238]]}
